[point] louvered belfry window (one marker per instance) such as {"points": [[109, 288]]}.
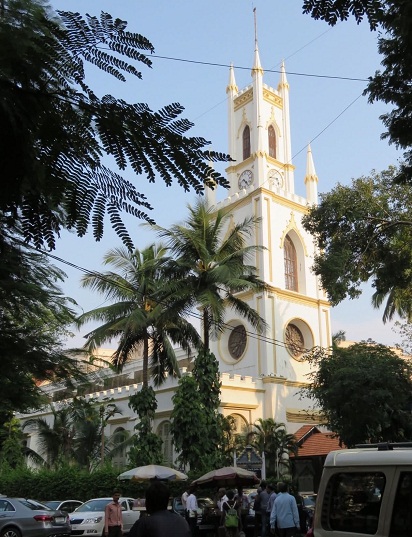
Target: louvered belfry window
{"points": [[291, 273], [272, 142], [246, 142]]}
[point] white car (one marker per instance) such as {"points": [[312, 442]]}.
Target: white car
{"points": [[88, 519]]}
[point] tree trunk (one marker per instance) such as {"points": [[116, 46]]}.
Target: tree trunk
{"points": [[206, 329], [145, 361]]}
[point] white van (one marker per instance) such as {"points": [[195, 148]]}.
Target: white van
{"points": [[366, 491]]}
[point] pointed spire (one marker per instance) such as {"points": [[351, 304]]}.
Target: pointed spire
{"points": [[283, 83], [232, 82], [310, 166], [311, 179], [257, 67]]}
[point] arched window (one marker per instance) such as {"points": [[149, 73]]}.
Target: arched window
{"points": [[119, 460], [164, 432], [239, 423], [246, 142], [272, 142], [291, 266]]}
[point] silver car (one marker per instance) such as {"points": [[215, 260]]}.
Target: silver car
{"points": [[67, 505], [28, 518]]}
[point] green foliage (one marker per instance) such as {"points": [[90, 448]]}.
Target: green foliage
{"points": [[211, 264], [34, 321], [189, 424], [65, 482], [332, 11], [139, 317], [146, 446], [199, 430], [272, 438], [364, 391], [391, 85], [56, 129], [11, 452], [76, 435], [363, 233]]}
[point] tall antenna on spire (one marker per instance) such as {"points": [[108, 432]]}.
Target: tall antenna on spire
{"points": [[255, 22]]}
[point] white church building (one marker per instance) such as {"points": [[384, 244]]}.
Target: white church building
{"points": [[261, 375]]}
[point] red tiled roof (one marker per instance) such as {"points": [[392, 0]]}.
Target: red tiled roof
{"points": [[312, 442], [303, 431]]}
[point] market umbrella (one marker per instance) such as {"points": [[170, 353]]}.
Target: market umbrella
{"points": [[152, 471], [229, 476]]}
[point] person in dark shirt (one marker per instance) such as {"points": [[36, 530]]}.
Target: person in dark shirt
{"points": [[160, 521]]}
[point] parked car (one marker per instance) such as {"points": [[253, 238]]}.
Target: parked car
{"points": [[208, 518], [88, 519], [306, 507], [67, 505], [29, 518]]}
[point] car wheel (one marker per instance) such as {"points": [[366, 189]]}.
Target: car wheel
{"points": [[10, 532]]}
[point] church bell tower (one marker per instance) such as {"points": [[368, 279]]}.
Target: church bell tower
{"points": [[262, 183]]}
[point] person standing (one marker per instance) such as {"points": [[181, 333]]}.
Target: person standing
{"points": [[221, 497], [284, 514], [256, 507], [243, 502], [160, 521], [191, 506], [185, 495], [113, 520], [272, 497], [231, 504], [264, 500]]}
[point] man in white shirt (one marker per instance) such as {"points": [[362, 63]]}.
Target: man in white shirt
{"points": [[191, 507], [185, 495]]}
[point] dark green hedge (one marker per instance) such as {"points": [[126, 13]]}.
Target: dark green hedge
{"points": [[70, 483]]}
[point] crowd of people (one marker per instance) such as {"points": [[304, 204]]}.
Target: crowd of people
{"points": [[276, 513]]}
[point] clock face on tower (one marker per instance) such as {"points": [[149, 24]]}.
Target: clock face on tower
{"points": [[245, 179], [275, 178]]}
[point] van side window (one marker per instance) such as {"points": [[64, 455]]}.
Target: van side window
{"points": [[401, 523], [352, 502]]}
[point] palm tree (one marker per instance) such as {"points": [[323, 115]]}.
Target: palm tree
{"points": [[76, 435], [210, 267], [138, 316], [56, 441], [271, 437]]}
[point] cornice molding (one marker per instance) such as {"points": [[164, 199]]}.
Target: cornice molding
{"points": [[305, 416], [272, 98], [268, 379], [238, 406], [243, 99]]}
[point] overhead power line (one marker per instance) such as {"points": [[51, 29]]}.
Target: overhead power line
{"points": [[239, 67]]}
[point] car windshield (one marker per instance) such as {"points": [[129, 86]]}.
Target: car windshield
{"points": [[34, 506], [52, 505], [93, 505], [205, 502], [309, 501]]}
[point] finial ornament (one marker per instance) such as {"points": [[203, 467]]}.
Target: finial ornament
{"points": [[257, 68], [255, 22]]}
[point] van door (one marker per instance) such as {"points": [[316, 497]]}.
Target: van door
{"points": [[401, 520]]}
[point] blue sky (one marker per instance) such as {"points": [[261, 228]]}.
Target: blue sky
{"points": [[327, 111]]}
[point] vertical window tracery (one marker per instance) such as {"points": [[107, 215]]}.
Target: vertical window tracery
{"points": [[165, 434], [246, 142], [291, 266], [272, 141]]}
